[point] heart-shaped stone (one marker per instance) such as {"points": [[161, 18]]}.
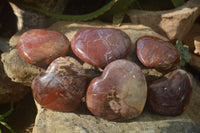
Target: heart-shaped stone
{"points": [[171, 94], [41, 47], [119, 93], [62, 86], [100, 46], [157, 53]]}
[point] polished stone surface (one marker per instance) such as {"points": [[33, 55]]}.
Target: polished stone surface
{"points": [[41, 47], [61, 86], [119, 93], [81, 120], [100, 46], [157, 53], [171, 94]]}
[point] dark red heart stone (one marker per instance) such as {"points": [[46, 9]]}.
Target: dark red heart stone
{"points": [[119, 93], [62, 86], [171, 94], [100, 46], [157, 53], [41, 47]]}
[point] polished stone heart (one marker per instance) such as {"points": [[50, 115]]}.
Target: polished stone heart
{"points": [[119, 93], [171, 94], [62, 86], [157, 53], [100, 46], [41, 47]]}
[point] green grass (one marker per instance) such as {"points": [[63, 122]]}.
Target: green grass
{"points": [[3, 116]]}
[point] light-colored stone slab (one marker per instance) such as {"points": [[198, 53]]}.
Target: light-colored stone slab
{"points": [[197, 45], [10, 91], [17, 69], [174, 24]]}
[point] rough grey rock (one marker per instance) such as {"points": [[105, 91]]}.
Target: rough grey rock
{"points": [[10, 91], [91, 71], [22, 72], [191, 40], [57, 6], [174, 24], [195, 57], [195, 62], [151, 74], [197, 45], [27, 19], [13, 40], [81, 121], [17, 69]]}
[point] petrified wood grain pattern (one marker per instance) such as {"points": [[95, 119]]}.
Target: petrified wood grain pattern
{"points": [[157, 53], [62, 86], [171, 94], [119, 93], [41, 47], [99, 47]]}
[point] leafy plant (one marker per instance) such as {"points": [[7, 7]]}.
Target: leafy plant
{"points": [[184, 51], [83, 17], [114, 8], [177, 3], [3, 116]]}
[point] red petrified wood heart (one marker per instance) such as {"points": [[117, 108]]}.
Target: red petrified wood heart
{"points": [[171, 94], [157, 53], [119, 93], [62, 86], [100, 46], [41, 47]]}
